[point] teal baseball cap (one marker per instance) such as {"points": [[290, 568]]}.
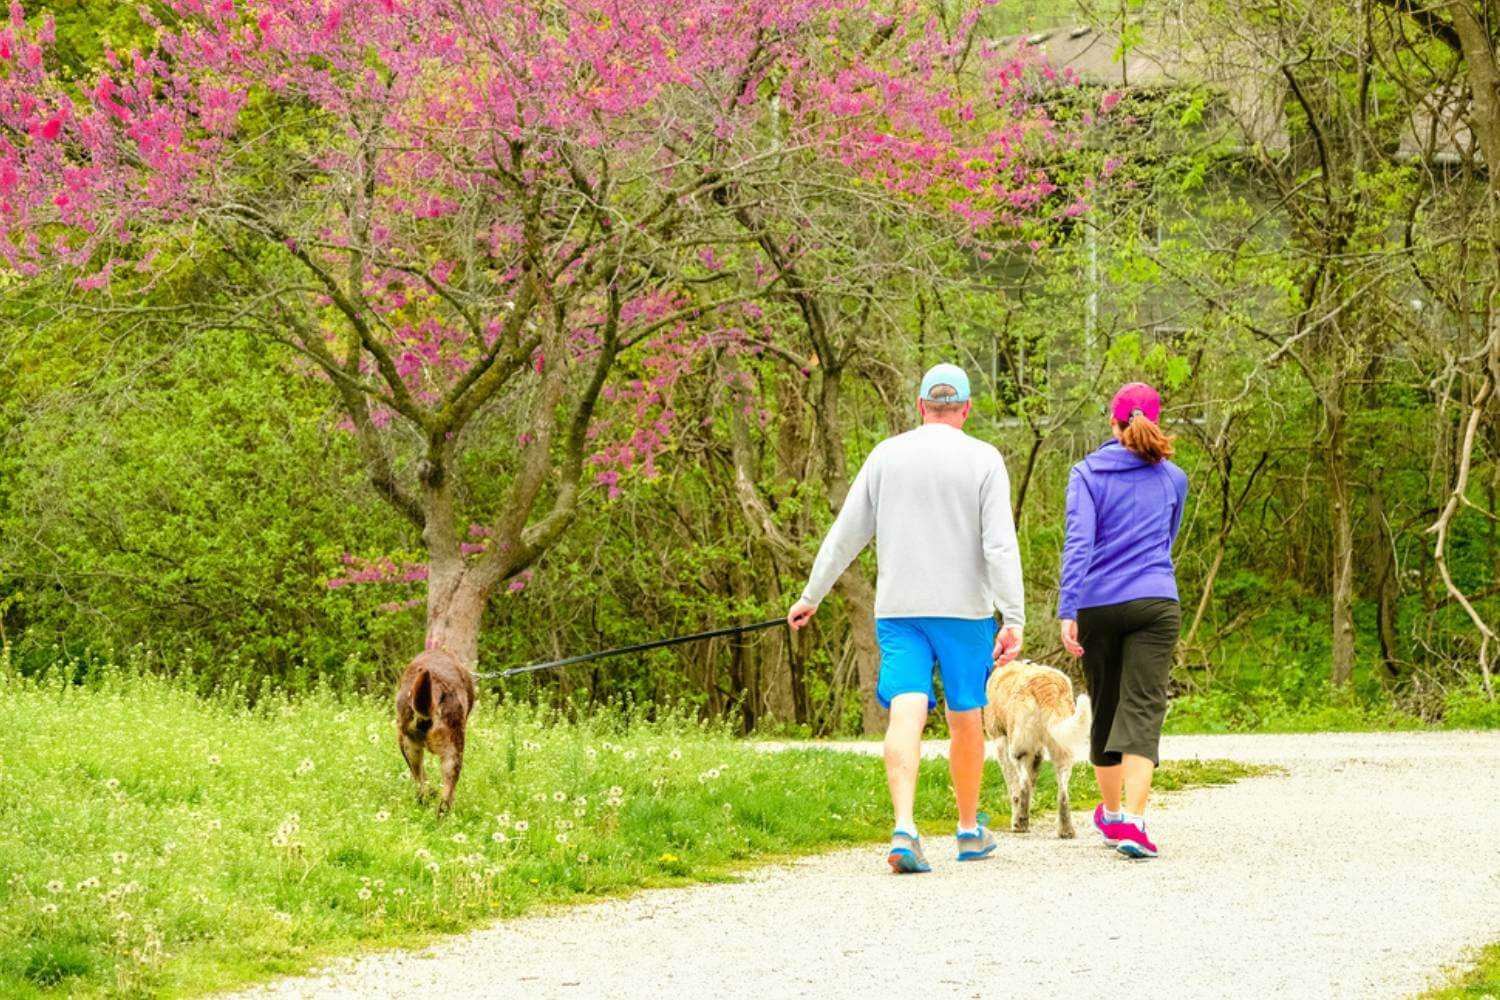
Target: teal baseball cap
{"points": [[949, 375]]}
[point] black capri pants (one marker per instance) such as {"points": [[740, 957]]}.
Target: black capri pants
{"points": [[1127, 661]]}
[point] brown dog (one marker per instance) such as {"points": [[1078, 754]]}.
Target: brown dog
{"points": [[432, 711], [1032, 713]]}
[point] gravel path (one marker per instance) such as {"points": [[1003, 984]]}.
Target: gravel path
{"points": [[1365, 870]]}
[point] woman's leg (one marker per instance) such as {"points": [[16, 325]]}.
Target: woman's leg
{"points": [[1099, 635], [1136, 772], [1145, 669]]}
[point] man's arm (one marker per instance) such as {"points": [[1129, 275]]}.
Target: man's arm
{"points": [[1002, 553], [851, 532]]}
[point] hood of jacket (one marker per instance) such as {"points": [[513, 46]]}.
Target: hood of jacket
{"points": [[1112, 456]]}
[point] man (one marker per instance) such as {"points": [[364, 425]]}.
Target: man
{"points": [[937, 502]]}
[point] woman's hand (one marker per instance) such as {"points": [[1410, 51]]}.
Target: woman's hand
{"points": [[1069, 629]]}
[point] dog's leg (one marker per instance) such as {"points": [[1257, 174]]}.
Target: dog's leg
{"points": [[1026, 765], [1025, 783], [1012, 780], [412, 751], [453, 764], [1062, 763]]}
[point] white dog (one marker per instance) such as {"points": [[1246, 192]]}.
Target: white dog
{"points": [[1032, 712]]}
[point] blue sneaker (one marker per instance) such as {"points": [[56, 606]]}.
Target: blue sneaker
{"points": [[980, 844], [906, 857]]}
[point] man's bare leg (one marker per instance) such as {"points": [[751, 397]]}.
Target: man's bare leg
{"points": [[966, 763], [903, 755]]}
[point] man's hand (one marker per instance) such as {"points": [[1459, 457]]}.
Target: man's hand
{"points": [[800, 614], [1069, 629], [1007, 645]]}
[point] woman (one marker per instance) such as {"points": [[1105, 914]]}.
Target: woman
{"points": [[1118, 604]]}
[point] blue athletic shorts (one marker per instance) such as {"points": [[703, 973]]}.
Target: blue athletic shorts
{"points": [[963, 648]]}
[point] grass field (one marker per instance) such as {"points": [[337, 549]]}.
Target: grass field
{"points": [[156, 843]]}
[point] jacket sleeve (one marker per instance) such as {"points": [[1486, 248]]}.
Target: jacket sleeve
{"points": [[851, 532], [1078, 550], [1181, 484], [1002, 553]]}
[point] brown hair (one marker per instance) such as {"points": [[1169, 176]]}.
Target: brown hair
{"points": [[941, 400], [1142, 436]]}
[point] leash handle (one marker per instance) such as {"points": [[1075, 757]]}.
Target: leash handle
{"points": [[639, 647]]}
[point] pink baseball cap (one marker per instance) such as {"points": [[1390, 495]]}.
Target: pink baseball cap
{"points": [[1133, 397]]}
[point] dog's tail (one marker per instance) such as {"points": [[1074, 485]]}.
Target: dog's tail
{"points": [[421, 694], [1074, 730]]}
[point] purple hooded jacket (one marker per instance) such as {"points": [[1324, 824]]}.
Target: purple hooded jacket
{"points": [[1123, 516]]}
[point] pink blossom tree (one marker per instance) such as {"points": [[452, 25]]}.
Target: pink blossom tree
{"points": [[489, 221]]}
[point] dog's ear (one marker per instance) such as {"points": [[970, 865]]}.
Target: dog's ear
{"points": [[421, 693]]}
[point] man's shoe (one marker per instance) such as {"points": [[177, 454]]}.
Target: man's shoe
{"points": [[976, 845], [1103, 826], [906, 857], [1133, 842]]}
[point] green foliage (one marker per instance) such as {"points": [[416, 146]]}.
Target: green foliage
{"points": [[193, 514], [190, 844]]}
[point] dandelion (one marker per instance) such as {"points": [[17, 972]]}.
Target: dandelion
{"points": [[503, 819], [123, 917], [305, 767], [379, 884], [539, 797], [668, 858], [423, 854], [580, 812], [49, 908], [460, 838], [92, 882], [363, 893], [628, 755], [382, 816], [615, 791], [433, 867], [499, 837], [583, 859], [562, 838], [282, 916], [559, 796], [374, 738], [215, 824], [113, 784], [676, 754], [400, 890], [54, 886], [213, 760], [119, 857], [565, 824], [522, 826], [531, 745], [590, 752], [169, 847]]}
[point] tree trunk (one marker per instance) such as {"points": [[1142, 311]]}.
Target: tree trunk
{"points": [[455, 610], [1342, 554], [859, 601]]}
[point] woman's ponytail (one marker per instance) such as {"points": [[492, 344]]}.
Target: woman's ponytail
{"points": [[1142, 435]]}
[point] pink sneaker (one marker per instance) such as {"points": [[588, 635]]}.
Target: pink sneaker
{"points": [[1103, 827], [1133, 842]]}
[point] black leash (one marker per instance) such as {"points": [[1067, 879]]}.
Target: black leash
{"points": [[640, 647]]}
